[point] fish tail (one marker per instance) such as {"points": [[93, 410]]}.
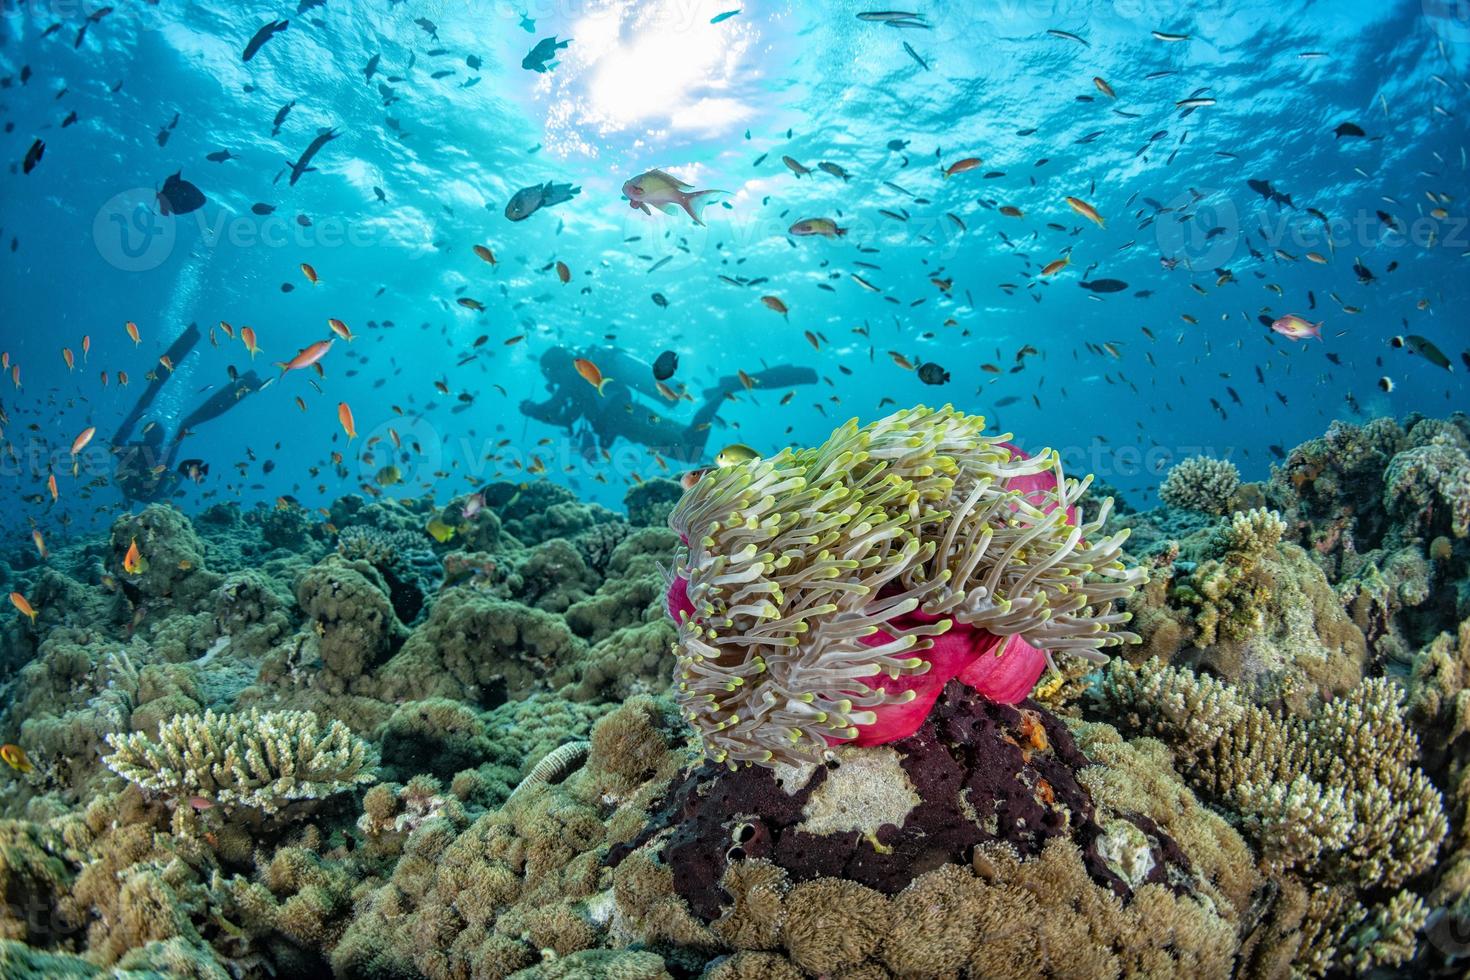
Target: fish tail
{"points": [[603, 383], [692, 201]]}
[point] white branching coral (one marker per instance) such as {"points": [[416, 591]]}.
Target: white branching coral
{"points": [[262, 760], [792, 561], [1201, 483]]}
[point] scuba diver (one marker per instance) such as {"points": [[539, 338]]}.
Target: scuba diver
{"points": [[145, 467], [598, 420]]}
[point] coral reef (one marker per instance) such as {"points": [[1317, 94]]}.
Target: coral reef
{"points": [[1200, 483], [1382, 509], [450, 740], [1335, 802], [1236, 600]]}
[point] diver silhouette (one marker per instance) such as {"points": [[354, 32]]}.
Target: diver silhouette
{"points": [[144, 470], [597, 421]]}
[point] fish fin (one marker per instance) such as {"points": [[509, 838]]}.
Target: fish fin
{"points": [[691, 201], [665, 175]]}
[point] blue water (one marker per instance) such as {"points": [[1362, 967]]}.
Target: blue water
{"points": [[647, 85]]}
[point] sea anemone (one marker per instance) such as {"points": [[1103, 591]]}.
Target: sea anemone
{"points": [[826, 595]]}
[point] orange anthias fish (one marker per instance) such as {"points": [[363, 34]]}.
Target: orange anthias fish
{"points": [[167, 362], [40, 544], [344, 415], [1052, 268], [229, 330], [69, 358], [19, 602], [15, 757], [340, 329], [309, 273], [51, 485], [962, 166], [133, 332], [485, 254], [591, 373], [775, 303], [562, 272], [247, 337], [1086, 210], [84, 437], [122, 378], [86, 346], [133, 562], [306, 357]]}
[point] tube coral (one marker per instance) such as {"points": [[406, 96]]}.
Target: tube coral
{"points": [[827, 595]]}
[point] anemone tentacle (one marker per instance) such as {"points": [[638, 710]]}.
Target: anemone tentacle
{"points": [[818, 583]]}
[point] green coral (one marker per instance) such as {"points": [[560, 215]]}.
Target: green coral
{"points": [[650, 502], [174, 575], [375, 546], [261, 760], [1244, 604], [347, 604], [1228, 594]]}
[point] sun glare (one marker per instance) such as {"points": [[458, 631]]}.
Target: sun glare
{"points": [[662, 65]]}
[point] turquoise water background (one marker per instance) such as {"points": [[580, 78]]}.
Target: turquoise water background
{"points": [[645, 85]]}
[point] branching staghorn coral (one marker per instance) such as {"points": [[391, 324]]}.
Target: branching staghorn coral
{"points": [[1338, 795], [1200, 483], [815, 586], [262, 760], [376, 546]]}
